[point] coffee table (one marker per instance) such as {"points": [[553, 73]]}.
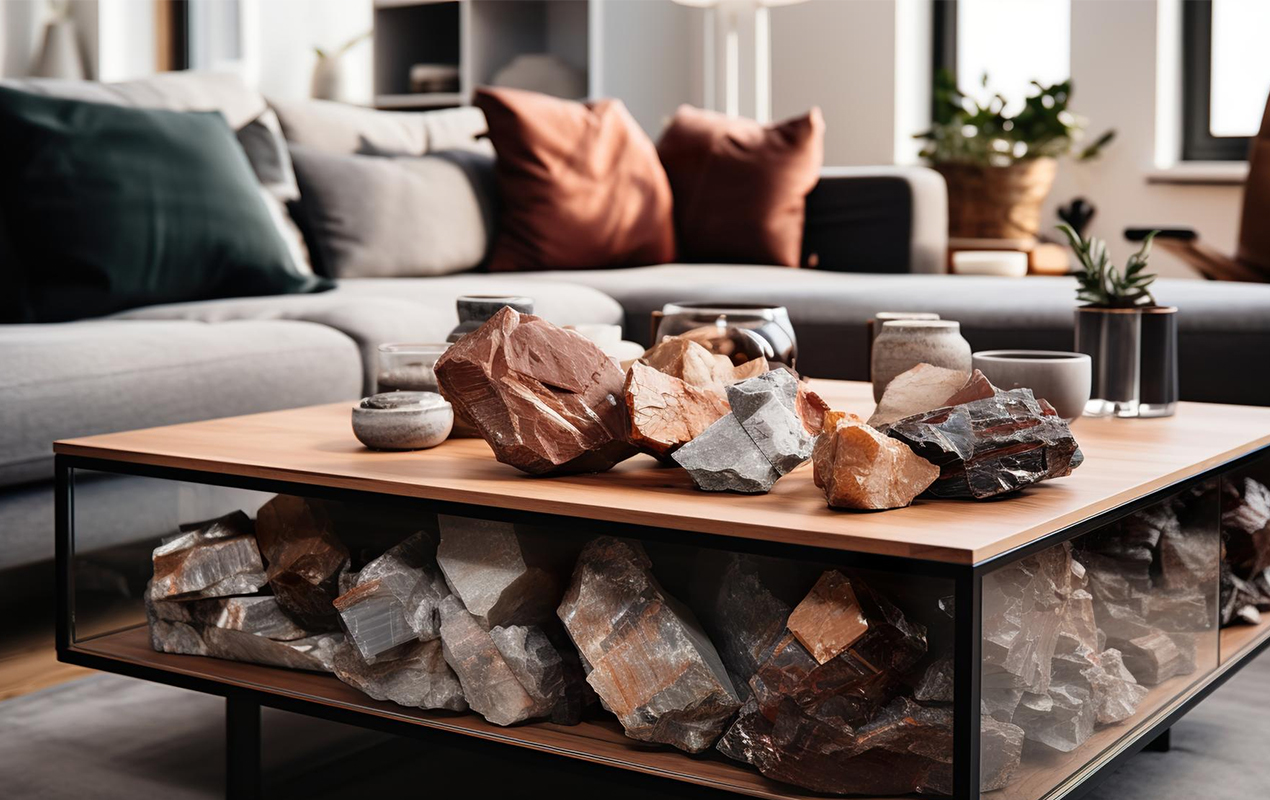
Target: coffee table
{"points": [[957, 550]]}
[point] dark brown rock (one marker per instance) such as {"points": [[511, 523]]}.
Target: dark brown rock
{"points": [[666, 413], [547, 400], [991, 445], [304, 559]]}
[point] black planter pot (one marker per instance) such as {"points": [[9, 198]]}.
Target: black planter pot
{"points": [[1134, 359]]}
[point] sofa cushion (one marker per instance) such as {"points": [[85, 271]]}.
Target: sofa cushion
{"points": [[342, 128], [580, 184], [741, 187], [373, 216], [1224, 327], [373, 311], [109, 208], [82, 378], [246, 111]]}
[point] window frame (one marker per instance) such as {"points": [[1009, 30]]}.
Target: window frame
{"points": [[1198, 141]]}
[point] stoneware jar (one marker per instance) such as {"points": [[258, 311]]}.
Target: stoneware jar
{"points": [[903, 344], [1060, 378], [402, 420]]}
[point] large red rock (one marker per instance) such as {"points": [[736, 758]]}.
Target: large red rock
{"points": [[547, 400], [665, 412]]}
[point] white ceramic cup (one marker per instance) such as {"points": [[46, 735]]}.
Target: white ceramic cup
{"points": [[1060, 378]]}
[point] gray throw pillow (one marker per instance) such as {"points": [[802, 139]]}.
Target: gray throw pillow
{"points": [[406, 216]]}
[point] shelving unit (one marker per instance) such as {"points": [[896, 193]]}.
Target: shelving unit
{"points": [[479, 37]]}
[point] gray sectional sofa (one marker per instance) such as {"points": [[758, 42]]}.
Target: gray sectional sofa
{"points": [[872, 233]]}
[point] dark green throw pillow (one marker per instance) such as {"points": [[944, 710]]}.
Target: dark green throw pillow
{"points": [[106, 208]]}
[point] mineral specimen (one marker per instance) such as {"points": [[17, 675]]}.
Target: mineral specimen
{"points": [[489, 684], [305, 559], [418, 677], [990, 446], [695, 365], [922, 388], [211, 559], [725, 459], [859, 468], [811, 410], [1155, 657], [761, 440], [844, 726], [665, 412], [739, 609], [552, 676], [546, 400], [503, 576], [648, 659], [250, 629], [1000, 750], [936, 685], [1117, 694], [829, 619], [394, 599]]}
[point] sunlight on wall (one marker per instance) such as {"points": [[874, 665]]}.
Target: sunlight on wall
{"points": [[1241, 69]]}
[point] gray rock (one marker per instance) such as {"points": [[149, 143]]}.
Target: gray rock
{"points": [[725, 459], [1117, 694], [749, 396], [1000, 750], [650, 662], [249, 629], [212, 559], [489, 684], [418, 677], [543, 670], [936, 685], [499, 575], [394, 599]]}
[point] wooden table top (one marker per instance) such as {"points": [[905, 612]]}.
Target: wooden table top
{"points": [[1124, 460]]}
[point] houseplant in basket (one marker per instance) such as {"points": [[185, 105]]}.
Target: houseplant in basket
{"points": [[1130, 339], [1000, 167]]}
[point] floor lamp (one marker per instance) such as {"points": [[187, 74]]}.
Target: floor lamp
{"points": [[737, 52]]}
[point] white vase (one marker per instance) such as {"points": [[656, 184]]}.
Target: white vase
{"points": [[60, 56], [330, 81], [904, 344]]}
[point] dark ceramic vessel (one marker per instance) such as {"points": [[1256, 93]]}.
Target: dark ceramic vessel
{"points": [[475, 309]]}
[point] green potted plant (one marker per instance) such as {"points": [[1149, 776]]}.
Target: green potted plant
{"points": [[1000, 167], [1130, 339]]}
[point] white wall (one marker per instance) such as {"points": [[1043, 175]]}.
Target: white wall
{"points": [[651, 57], [287, 32], [1114, 85]]}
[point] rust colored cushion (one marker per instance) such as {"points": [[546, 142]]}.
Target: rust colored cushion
{"points": [[741, 187], [581, 185]]}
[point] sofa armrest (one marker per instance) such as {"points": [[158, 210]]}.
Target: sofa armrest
{"points": [[877, 219]]}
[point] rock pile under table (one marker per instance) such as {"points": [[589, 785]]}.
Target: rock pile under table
{"points": [[806, 673]]}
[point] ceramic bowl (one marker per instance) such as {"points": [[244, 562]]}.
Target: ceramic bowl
{"points": [[402, 420], [1061, 378]]}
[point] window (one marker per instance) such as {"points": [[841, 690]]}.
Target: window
{"points": [[974, 38], [1226, 77]]}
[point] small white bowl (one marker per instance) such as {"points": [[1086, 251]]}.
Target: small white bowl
{"points": [[403, 420], [1060, 378]]}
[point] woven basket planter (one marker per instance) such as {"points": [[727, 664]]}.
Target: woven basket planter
{"points": [[997, 202]]}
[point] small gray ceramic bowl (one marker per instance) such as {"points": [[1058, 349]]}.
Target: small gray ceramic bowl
{"points": [[403, 420], [1061, 378]]}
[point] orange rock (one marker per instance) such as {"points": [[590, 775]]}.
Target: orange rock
{"points": [[811, 409], [920, 389], [859, 468], [694, 364], [829, 619], [665, 412]]}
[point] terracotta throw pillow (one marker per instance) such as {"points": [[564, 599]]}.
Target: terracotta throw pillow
{"points": [[581, 185], [741, 187]]}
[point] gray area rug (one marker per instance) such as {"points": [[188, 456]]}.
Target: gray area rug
{"points": [[110, 737]]}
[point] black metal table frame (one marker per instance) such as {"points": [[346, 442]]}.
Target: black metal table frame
{"points": [[242, 717]]}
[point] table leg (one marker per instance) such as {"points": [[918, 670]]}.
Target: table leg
{"points": [[1159, 744], [242, 749]]}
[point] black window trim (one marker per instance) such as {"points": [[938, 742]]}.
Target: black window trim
{"points": [[1198, 141]]}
